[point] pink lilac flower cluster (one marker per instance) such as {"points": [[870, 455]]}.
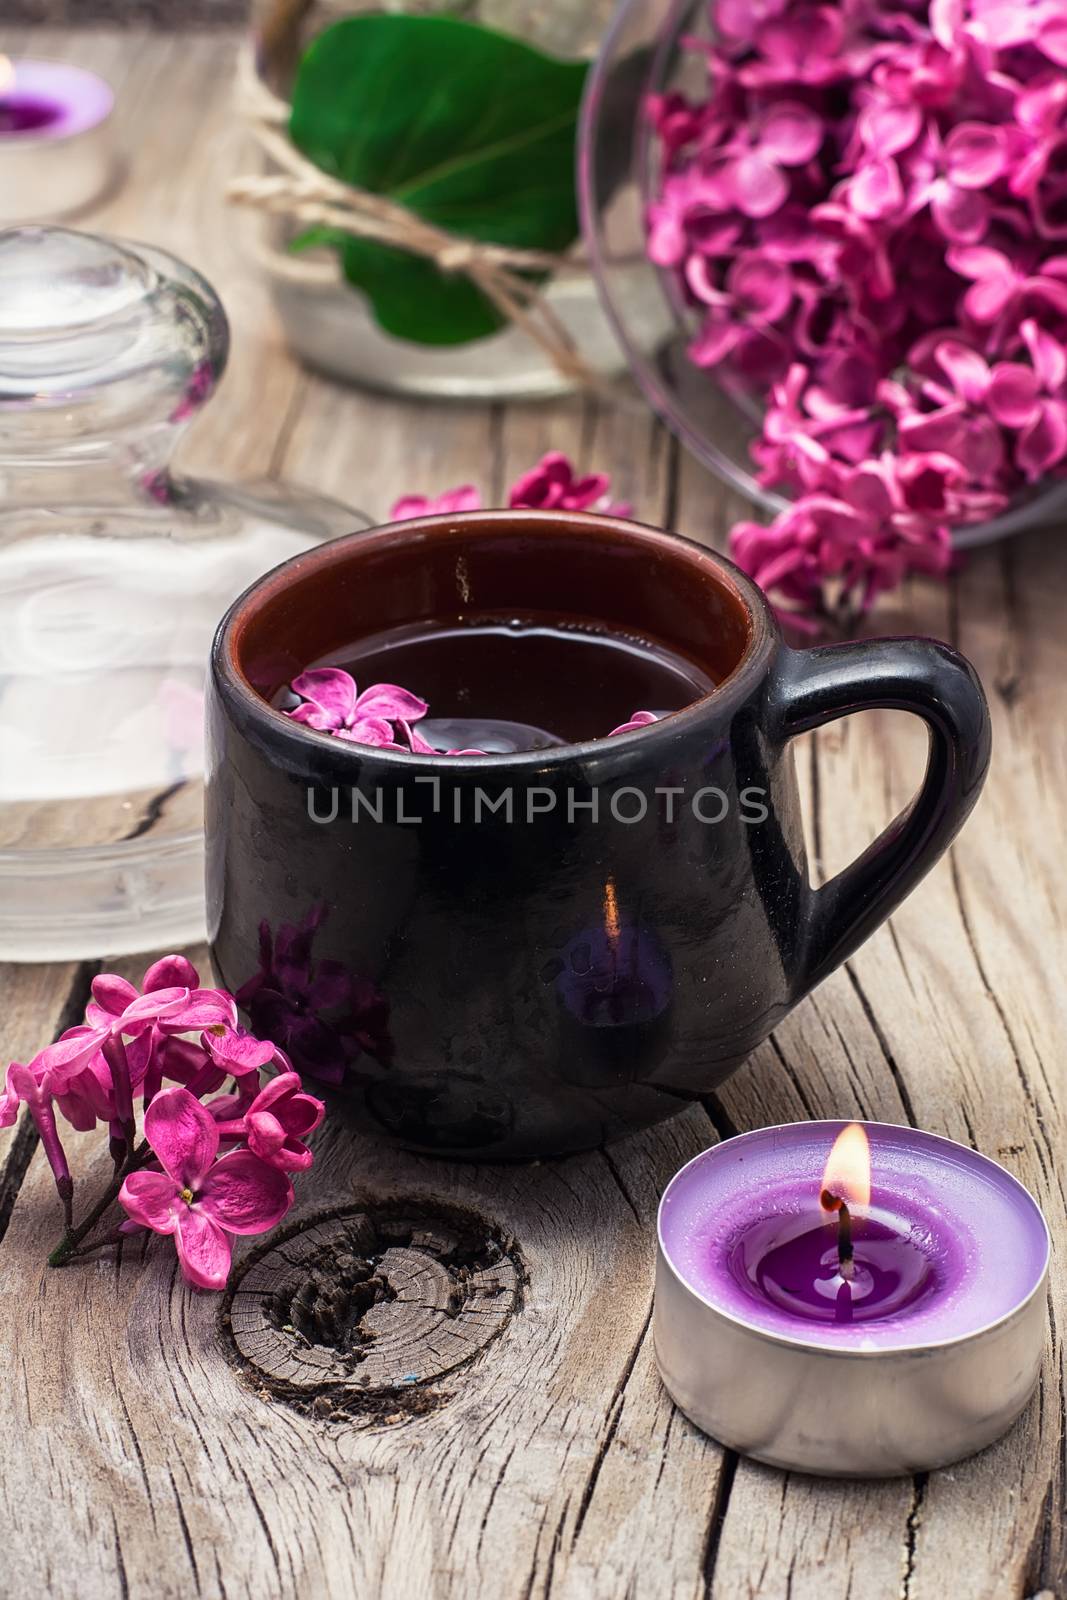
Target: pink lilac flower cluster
{"points": [[549, 486], [212, 1164], [869, 211], [332, 703]]}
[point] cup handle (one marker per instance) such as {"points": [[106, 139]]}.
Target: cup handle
{"points": [[813, 687]]}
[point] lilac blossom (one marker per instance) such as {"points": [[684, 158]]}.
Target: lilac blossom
{"points": [[866, 211], [333, 704], [1029, 401], [132, 1040], [465, 498], [197, 1196], [550, 485], [269, 988]]}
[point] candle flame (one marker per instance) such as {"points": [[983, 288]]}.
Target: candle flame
{"points": [[611, 914], [848, 1169], [7, 74]]}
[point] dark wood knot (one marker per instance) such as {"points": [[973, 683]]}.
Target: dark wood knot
{"points": [[365, 1309]]}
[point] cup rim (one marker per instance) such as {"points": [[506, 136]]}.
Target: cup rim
{"points": [[230, 675]]}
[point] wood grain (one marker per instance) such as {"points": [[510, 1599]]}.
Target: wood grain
{"points": [[147, 1457], [538, 1456]]}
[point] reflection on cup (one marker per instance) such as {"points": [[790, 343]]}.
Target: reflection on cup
{"points": [[613, 985]]}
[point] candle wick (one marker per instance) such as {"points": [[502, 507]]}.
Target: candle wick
{"points": [[846, 1265]]}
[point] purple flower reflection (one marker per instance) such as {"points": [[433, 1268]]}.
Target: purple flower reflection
{"points": [[288, 998]]}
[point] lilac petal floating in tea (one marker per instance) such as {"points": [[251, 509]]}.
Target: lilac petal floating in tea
{"points": [[639, 719], [333, 704], [421, 747], [383, 716]]}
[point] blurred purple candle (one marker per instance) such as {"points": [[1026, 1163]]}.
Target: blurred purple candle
{"points": [[55, 149], [50, 99]]}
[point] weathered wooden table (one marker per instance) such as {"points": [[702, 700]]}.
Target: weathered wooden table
{"points": [[145, 1455]]}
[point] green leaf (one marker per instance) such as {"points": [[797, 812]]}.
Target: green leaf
{"points": [[470, 129]]}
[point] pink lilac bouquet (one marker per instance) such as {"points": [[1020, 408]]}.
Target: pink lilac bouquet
{"points": [[385, 715], [868, 209], [210, 1165]]}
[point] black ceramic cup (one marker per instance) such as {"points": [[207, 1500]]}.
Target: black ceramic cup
{"points": [[528, 954]]}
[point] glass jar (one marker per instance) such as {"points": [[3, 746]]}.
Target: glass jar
{"points": [[618, 174], [330, 325], [113, 574]]}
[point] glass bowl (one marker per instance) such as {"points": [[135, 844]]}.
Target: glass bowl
{"points": [[618, 173]]}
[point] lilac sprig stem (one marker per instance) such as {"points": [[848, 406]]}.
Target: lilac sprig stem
{"points": [[67, 1247]]}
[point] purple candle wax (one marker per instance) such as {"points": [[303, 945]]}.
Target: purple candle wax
{"points": [[25, 114], [949, 1244], [793, 1262], [48, 100]]}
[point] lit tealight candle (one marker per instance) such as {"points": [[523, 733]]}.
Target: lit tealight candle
{"points": [[55, 139], [859, 1301]]}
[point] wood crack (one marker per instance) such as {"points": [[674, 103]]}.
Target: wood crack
{"points": [[911, 1533], [818, 869], [283, 438], [263, 1522], [883, 1045], [846, 1051], [794, 1078], [617, 1175], [670, 497], [24, 1140], [135, 1441], [719, 1117], [498, 1480], [19, 1156], [497, 455], [557, 1541], [717, 1518], [614, 1415], [892, 932], [120, 1564], [187, 1538], [1009, 679], [153, 811], [1045, 1159]]}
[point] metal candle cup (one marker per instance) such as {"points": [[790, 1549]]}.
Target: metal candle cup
{"points": [[925, 1350], [56, 152]]}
